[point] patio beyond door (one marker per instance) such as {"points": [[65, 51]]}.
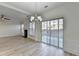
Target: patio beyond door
{"points": [[52, 32]]}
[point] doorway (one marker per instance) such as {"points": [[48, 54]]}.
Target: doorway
{"points": [[52, 32]]}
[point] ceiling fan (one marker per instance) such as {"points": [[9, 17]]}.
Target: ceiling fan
{"points": [[3, 17]]}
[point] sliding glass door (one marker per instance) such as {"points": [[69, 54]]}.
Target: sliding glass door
{"points": [[48, 32], [61, 33], [52, 32], [44, 32]]}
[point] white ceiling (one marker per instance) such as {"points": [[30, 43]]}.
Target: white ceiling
{"points": [[33, 7], [18, 10]]}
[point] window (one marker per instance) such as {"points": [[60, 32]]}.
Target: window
{"points": [[32, 28], [22, 28]]}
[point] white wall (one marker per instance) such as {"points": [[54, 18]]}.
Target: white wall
{"points": [[70, 12], [9, 29]]}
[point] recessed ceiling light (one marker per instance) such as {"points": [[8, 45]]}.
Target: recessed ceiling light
{"points": [[46, 6]]}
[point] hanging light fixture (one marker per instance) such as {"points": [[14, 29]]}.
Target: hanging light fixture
{"points": [[32, 18], [36, 17]]}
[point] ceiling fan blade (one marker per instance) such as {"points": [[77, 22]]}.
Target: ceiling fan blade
{"points": [[3, 17], [7, 19]]}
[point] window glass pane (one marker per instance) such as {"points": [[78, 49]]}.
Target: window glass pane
{"points": [[32, 28], [43, 25], [55, 24], [60, 23], [61, 33]]}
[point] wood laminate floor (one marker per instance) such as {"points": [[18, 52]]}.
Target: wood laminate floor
{"points": [[19, 46]]}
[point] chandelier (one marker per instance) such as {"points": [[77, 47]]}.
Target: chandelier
{"points": [[36, 17]]}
